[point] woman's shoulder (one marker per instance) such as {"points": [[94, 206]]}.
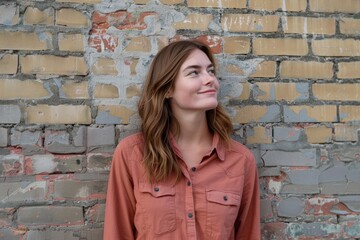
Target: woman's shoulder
{"points": [[238, 147], [130, 142]]}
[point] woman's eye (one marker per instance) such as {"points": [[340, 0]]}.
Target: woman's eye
{"points": [[211, 71], [193, 73]]}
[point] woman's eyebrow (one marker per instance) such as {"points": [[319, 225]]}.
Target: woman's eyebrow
{"points": [[197, 67]]}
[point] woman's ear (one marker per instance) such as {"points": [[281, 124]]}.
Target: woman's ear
{"points": [[169, 94]]}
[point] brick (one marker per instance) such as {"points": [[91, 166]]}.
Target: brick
{"points": [[280, 46], [133, 90], [6, 217], [18, 89], [103, 42], [25, 40], [286, 6], [194, 21], [344, 153], [138, 44], [340, 92], [281, 91], [304, 157], [80, 1], [273, 230], [341, 188], [345, 132], [10, 114], [8, 64], [99, 162], [71, 18], [50, 234], [319, 113], [10, 234], [20, 192], [306, 70], [348, 70], [236, 45], [78, 136], [214, 42], [74, 90], [336, 47], [345, 6], [266, 69], [258, 135], [288, 134], [320, 205], [304, 177], [349, 26], [334, 174], [290, 207], [249, 23], [35, 16], [9, 15], [318, 134], [105, 66], [60, 114], [71, 42], [247, 114], [3, 137], [47, 64], [26, 137], [106, 91], [97, 136], [96, 213], [80, 190], [308, 25], [113, 114], [349, 113], [141, 1], [266, 209], [47, 164], [269, 172], [132, 65], [50, 215], [11, 165], [171, 2], [315, 229], [235, 90], [217, 4], [300, 189]]}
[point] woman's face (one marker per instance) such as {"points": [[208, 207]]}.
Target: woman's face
{"points": [[196, 85]]}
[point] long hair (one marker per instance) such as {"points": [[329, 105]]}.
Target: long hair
{"points": [[155, 111]]}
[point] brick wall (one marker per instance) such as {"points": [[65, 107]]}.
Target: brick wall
{"points": [[70, 77]]}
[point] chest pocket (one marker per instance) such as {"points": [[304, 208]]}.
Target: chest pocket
{"points": [[157, 207], [222, 210]]}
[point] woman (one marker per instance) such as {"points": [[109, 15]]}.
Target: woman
{"points": [[182, 177]]}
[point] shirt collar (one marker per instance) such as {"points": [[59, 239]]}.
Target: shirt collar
{"points": [[217, 145]]}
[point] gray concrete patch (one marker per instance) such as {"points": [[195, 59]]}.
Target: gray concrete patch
{"points": [[290, 207]]}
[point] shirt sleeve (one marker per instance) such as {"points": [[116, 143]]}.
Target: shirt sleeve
{"points": [[247, 225], [120, 200]]}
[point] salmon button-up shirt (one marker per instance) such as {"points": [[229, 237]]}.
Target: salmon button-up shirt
{"points": [[218, 199]]}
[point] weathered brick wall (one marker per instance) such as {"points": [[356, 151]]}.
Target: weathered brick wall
{"points": [[70, 76]]}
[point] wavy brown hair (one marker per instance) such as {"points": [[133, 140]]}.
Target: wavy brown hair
{"points": [[155, 111]]}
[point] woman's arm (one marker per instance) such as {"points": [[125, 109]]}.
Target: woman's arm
{"points": [[120, 200], [247, 226]]}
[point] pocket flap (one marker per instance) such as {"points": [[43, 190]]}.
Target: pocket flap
{"points": [[157, 190], [223, 198]]}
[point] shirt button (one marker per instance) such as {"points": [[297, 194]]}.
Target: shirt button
{"points": [[156, 189], [190, 215], [225, 198], [193, 169], [189, 183]]}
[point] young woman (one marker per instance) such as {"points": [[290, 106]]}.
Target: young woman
{"points": [[182, 177]]}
